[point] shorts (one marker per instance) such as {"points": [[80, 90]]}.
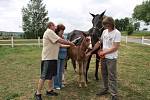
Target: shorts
{"points": [[48, 69]]}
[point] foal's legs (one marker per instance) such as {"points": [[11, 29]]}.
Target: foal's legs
{"points": [[87, 67], [84, 72], [74, 64], [80, 73]]}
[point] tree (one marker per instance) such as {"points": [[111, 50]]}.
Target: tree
{"points": [[122, 24], [1, 33], [130, 28], [142, 12], [34, 18]]}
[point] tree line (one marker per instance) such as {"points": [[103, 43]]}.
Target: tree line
{"points": [[34, 18]]}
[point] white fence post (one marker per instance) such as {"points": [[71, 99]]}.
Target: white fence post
{"points": [[39, 41], [142, 40], [12, 42], [126, 39]]}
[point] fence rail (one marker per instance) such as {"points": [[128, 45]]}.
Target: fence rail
{"points": [[28, 42], [18, 42], [141, 40], [148, 41]]}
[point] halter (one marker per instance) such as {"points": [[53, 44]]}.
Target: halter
{"points": [[99, 29]]}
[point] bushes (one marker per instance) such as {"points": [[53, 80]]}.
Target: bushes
{"points": [[130, 29]]}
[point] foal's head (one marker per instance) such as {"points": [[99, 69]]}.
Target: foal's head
{"points": [[86, 42]]}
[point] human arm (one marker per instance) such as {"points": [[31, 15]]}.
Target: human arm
{"points": [[96, 46], [56, 39], [115, 45], [114, 48], [64, 46], [65, 42]]}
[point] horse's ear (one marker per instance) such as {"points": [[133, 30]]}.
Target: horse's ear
{"points": [[102, 14], [92, 14]]}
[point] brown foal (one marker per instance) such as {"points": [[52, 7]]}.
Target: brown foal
{"points": [[78, 54]]}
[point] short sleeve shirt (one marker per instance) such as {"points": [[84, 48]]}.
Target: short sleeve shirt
{"points": [[50, 46], [108, 39]]}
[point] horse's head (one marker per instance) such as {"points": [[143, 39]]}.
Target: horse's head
{"points": [[97, 26], [86, 42]]}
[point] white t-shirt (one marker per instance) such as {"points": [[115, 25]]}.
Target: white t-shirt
{"points": [[108, 39], [50, 47]]}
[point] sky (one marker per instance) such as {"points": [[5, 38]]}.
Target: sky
{"points": [[74, 14]]}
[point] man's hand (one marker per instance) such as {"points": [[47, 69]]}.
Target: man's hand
{"points": [[101, 54]]}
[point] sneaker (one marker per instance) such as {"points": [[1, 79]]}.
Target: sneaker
{"points": [[62, 85], [51, 93], [58, 88], [103, 92], [37, 96], [114, 97]]}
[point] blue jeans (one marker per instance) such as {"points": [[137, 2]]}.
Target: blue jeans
{"points": [[60, 70]]}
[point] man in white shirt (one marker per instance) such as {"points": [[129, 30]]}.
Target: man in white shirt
{"points": [[51, 45], [110, 39]]}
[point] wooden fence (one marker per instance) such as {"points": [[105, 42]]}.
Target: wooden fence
{"points": [[141, 40], [16, 42]]}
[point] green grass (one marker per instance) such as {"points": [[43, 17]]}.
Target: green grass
{"points": [[20, 71]]}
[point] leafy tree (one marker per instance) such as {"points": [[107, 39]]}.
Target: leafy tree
{"points": [[1, 33], [122, 23], [142, 12], [130, 28], [34, 18]]}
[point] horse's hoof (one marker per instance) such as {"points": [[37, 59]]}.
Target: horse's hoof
{"points": [[75, 70], [80, 85], [97, 79], [85, 85], [87, 81]]}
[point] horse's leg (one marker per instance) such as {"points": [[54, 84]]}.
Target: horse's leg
{"points": [[87, 67], [84, 72], [65, 65], [74, 64], [97, 66], [80, 73]]}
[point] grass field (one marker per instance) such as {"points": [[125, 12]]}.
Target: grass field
{"points": [[20, 70]]}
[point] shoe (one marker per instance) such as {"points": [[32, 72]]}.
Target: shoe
{"points": [[62, 85], [37, 96], [51, 93], [114, 97], [58, 88], [103, 92]]}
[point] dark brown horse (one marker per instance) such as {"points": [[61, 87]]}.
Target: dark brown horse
{"points": [[78, 53], [95, 33]]}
